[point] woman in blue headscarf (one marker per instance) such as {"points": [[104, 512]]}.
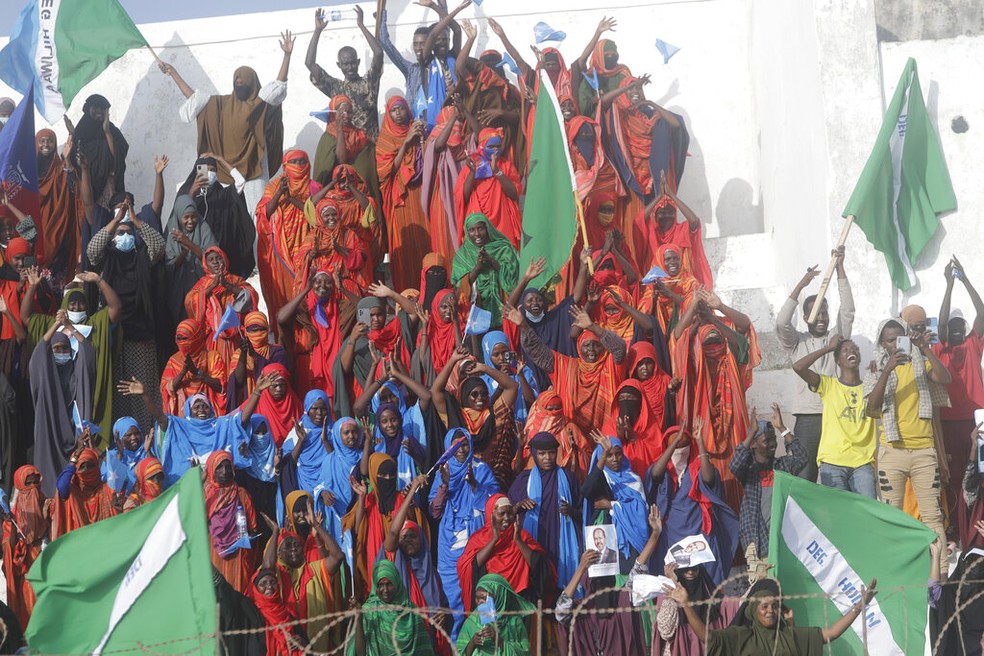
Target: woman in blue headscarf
{"points": [[128, 449], [457, 500], [391, 440], [499, 355], [188, 440], [396, 390], [613, 494], [306, 446], [334, 493]]}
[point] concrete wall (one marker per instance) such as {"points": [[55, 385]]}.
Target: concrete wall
{"points": [[783, 102]]}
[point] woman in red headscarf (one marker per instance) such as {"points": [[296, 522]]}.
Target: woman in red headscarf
{"points": [[83, 498], [212, 295], [24, 531], [636, 427], [224, 503], [150, 479], [281, 227], [490, 186], [399, 163], [439, 337], [673, 293], [59, 221], [344, 144], [278, 403], [255, 352], [503, 547], [333, 247], [643, 365], [547, 416], [192, 370], [358, 208], [714, 357], [312, 332], [657, 225]]}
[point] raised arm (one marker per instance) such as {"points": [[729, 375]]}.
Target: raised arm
{"points": [[939, 373], [441, 380], [422, 393], [19, 333], [460, 63], [379, 290], [287, 45], [377, 50], [113, 303], [311, 57], [270, 551], [943, 329], [524, 68], [877, 395], [134, 387], [392, 541], [442, 24], [838, 628], [160, 163], [509, 387], [605, 25], [535, 268], [692, 219], [802, 366], [172, 72], [974, 297]]}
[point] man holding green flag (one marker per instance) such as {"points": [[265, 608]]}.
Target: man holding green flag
{"points": [[905, 185], [550, 210], [143, 577]]}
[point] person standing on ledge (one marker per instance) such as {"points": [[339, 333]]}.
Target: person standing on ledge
{"points": [[804, 404]]}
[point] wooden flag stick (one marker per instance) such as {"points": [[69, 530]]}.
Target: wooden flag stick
{"points": [[830, 270], [153, 53], [380, 5], [584, 229]]}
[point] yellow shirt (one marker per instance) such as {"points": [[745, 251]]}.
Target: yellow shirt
{"points": [[847, 436], [915, 433]]}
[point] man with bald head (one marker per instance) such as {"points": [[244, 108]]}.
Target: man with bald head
{"points": [[960, 348], [803, 403], [362, 90]]}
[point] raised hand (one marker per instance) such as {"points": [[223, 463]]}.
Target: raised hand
{"points": [[160, 163], [535, 268], [272, 525], [606, 25], [581, 318], [132, 387], [319, 20], [359, 487], [513, 314], [808, 277], [655, 521], [834, 342], [777, 421], [470, 30], [359, 16], [379, 290], [287, 41]]}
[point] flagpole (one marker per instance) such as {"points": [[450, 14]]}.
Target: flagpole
{"points": [[830, 270], [584, 230], [153, 53], [380, 5]]}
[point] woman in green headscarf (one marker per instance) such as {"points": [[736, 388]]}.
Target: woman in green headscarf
{"points": [[761, 626], [104, 335], [380, 629], [504, 634], [489, 262]]}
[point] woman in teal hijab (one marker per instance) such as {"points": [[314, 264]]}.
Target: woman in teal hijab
{"points": [[490, 263], [503, 633], [381, 630]]}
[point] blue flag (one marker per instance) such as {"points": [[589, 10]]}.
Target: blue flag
{"points": [[486, 611], [654, 274], [19, 162], [116, 474], [449, 453], [229, 320], [3, 501], [666, 50], [479, 321]]}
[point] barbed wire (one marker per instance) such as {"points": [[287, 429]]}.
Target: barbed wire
{"points": [[427, 615]]}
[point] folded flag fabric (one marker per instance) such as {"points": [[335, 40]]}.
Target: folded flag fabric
{"points": [[19, 163], [666, 50], [486, 611], [828, 544], [904, 185], [543, 32], [447, 455], [479, 321], [229, 320], [59, 47], [654, 274], [151, 582]]}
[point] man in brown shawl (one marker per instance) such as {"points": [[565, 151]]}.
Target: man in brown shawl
{"points": [[245, 128]]}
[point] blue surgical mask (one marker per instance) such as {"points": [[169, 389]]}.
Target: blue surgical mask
{"points": [[533, 318], [62, 358], [212, 177], [125, 242]]}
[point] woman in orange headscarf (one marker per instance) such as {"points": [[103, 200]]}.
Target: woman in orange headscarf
{"points": [[714, 357], [281, 227], [344, 143], [59, 222], [490, 186], [224, 501], [333, 247], [547, 416], [311, 323], [399, 163], [358, 209], [24, 530], [212, 295], [255, 352], [193, 370], [83, 498], [150, 479], [613, 314], [673, 293]]}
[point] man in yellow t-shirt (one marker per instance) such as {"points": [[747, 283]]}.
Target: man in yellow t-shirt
{"points": [[847, 440], [901, 392]]}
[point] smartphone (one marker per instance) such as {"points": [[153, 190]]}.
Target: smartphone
{"points": [[30, 261], [903, 343], [933, 325], [363, 316], [201, 170]]}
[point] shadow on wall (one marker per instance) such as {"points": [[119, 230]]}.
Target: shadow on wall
{"points": [[697, 194], [307, 139], [737, 212]]}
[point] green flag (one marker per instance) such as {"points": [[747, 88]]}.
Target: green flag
{"points": [[824, 541], [904, 185], [145, 577], [550, 210]]}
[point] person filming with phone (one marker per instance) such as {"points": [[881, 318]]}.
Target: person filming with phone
{"points": [[906, 381]]}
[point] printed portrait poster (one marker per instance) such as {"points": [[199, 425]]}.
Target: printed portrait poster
{"points": [[602, 538]]}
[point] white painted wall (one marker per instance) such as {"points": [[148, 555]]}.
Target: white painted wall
{"points": [[783, 102]]}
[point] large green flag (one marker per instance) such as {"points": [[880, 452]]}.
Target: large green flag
{"points": [[904, 185], [550, 209], [143, 577], [824, 541]]}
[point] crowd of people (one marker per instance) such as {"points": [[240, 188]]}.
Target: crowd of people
{"points": [[360, 445]]}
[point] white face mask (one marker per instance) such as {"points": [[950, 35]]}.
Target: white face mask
{"points": [[679, 459], [77, 317], [212, 177], [533, 318]]}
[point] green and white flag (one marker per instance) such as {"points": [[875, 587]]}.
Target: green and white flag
{"points": [[59, 46], [824, 541], [143, 577], [550, 208], [904, 185]]}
